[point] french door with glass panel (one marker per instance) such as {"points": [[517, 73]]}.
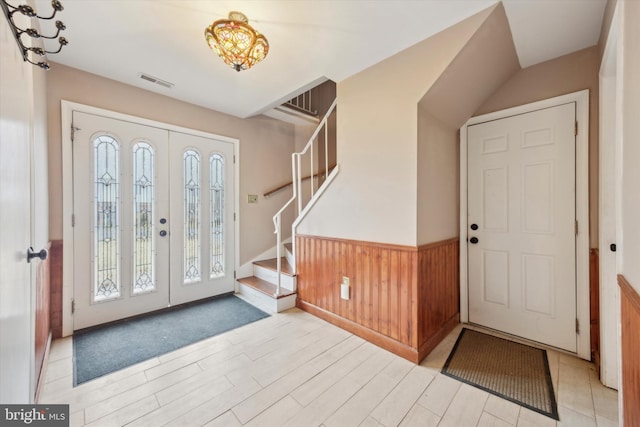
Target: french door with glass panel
{"points": [[153, 213]]}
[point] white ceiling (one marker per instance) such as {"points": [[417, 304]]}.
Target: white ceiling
{"points": [[310, 40]]}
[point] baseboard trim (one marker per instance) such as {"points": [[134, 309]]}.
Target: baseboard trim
{"points": [[43, 371], [428, 346], [373, 337]]}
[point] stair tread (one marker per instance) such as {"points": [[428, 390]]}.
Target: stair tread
{"points": [[265, 287], [272, 264]]}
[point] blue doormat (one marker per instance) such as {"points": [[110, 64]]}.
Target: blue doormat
{"points": [[105, 349]]}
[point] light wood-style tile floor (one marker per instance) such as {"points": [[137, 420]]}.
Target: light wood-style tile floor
{"points": [[293, 369]]}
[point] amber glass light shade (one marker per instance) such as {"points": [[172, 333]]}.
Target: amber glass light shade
{"points": [[236, 42]]}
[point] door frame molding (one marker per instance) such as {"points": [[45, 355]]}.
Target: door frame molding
{"points": [[67, 108], [610, 199], [581, 99]]}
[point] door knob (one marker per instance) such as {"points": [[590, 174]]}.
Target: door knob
{"points": [[612, 247], [163, 233], [474, 226], [474, 240], [31, 254], [163, 220]]}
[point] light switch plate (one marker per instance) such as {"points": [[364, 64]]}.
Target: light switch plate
{"points": [[252, 198]]}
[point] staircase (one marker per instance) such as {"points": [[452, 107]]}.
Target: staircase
{"points": [[298, 111], [272, 287], [261, 289]]}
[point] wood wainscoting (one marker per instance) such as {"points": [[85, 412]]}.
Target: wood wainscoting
{"points": [[55, 255], [594, 306], [630, 328], [402, 298], [438, 292]]}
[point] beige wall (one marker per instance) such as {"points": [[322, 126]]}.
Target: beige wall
{"points": [[374, 198], [438, 179], [631, 144], [566, 74], [606, 24], [481, 67], [265, 145]]}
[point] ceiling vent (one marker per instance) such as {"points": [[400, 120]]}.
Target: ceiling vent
{"points": [[156, 80]]}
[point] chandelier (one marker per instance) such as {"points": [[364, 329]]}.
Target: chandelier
{"points": [[236, 42]]}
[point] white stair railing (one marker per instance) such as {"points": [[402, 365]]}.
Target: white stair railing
{"points": [[303, 103], [296, 171]]}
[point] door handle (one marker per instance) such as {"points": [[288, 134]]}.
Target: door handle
{"points": [[474, 240], [474, 226], [163, 220], [163, 233], [31, 254]]}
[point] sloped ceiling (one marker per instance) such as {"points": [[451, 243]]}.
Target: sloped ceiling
{"points": [[310, 41], [482, 66]]}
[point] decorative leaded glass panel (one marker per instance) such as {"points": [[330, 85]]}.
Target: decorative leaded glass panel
{"points": [[217, 215], [191, 216], [106, 236], [143, 219]]}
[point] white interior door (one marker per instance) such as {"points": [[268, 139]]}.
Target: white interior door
{"points": [[521, 214], [154, 223], [16, 313], [121, 210], [202, 205]]}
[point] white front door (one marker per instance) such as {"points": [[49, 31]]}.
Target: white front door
{"points": [[521, 216], [202, 244], [144, 237]]}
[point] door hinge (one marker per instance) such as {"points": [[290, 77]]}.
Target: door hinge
{"points": [[576, 128], [577, 326], [73, 220], [234, 216], [234, 274], [234, 159], [576, 227], [73, 132], [73, 306]]}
